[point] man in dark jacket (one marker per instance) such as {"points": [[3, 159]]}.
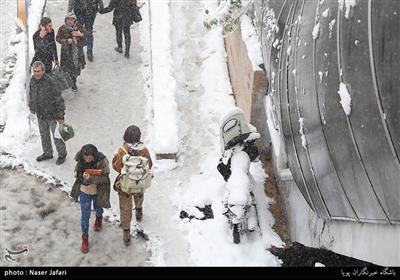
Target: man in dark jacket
{"points": [[85, 11], [45, 45], [46, 102], [122, 20]]}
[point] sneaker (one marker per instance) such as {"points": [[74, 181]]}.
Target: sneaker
{"points": [[60, 160], [74, 88], [44, 157], [118, 49]]}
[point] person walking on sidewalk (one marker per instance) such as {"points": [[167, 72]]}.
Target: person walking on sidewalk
{"points": [[122, 20], [133, 146], [46, 102], [72, 37], [45, 45], [91, 188], [86, 11]]}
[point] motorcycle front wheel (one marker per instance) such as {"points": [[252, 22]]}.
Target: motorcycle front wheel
{"points": [[236, 234]]}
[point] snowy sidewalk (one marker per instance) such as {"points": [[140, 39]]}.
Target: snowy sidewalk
{"points": [[111, 96]]}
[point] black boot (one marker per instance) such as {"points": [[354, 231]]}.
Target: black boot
{"points": [[44, 157], [90, 56]]}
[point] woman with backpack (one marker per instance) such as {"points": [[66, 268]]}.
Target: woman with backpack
{"points": [[92, 184], [132, 146]]}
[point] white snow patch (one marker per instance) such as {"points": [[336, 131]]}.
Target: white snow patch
{"points": [[347, 4], [321, 75], [315, 31], [252, 42], [276, 43], [273, 131], [289, 50], [165, 127], [301, 130], [326, 13], [345, 98]]}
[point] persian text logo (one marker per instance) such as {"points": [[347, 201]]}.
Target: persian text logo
{"points": [[10, 253]]}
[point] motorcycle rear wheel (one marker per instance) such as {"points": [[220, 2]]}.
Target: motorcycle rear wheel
{"points": [[236, 234]]}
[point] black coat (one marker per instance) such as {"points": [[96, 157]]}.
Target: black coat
{"points": [[123, 11], [45, 98], [85, 8], [45, 49]]}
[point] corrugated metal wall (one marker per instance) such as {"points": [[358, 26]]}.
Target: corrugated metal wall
{"points": [[345, 165]]}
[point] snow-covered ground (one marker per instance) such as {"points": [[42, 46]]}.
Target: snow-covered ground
{"points": [[114, 93], [8, 9], [47, 222]]}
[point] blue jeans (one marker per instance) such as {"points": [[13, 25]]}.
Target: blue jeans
{"points": [[86, 203], [88, 22]]}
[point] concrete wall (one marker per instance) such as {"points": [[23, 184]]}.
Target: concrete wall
{"points": [[375, 243], [248, 85]]}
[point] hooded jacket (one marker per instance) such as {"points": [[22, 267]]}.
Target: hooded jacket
{"points": [[102, 182]]}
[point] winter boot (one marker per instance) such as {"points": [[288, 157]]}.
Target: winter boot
{"points": [[139, 214], [85, 243], [98, 223], [90, 56], [118, 49], [126, 236]]}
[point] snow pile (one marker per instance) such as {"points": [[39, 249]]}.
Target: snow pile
{"points": [[8, 10], [345, 98], [165, 127], [15, 112], [237, 189], [252, 42], [35, 13], [270, 22]]}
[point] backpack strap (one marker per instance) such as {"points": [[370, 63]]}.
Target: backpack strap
{"points": [[126, 152]]}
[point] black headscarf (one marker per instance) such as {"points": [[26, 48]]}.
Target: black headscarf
{"points": [[88, 149]]}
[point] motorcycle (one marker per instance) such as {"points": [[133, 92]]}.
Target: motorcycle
{"points": [[238, 151]]}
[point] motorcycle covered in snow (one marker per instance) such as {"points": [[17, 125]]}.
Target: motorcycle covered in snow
{"points": [[238, 151]]}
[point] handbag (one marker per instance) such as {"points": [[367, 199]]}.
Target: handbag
{"points": [[63, 78], [137, 17], [66, 131]]}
